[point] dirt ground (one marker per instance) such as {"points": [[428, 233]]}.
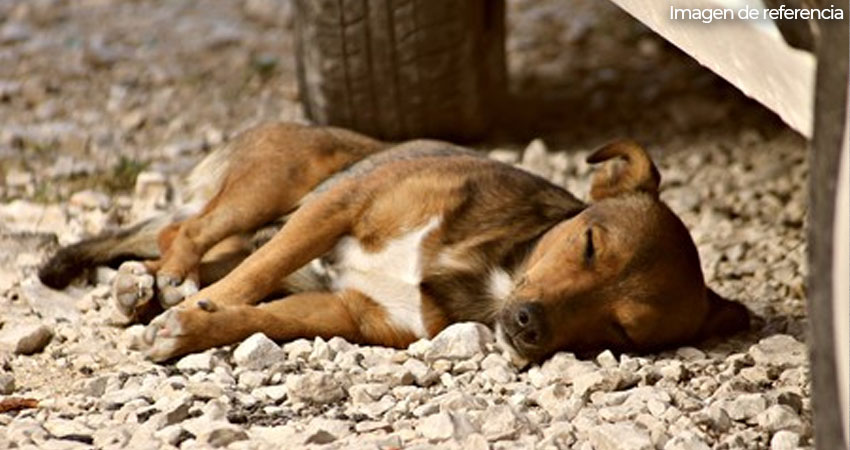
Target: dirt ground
{"points": [[95, 92]]}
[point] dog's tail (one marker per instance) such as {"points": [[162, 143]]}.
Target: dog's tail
{"points": [[138, 241]]}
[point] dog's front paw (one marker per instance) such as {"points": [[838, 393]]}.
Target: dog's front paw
{"points": [[187, 328], [165, 337], [133, 289]]}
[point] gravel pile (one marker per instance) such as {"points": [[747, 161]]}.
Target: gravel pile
{"points": [[99, 125]]}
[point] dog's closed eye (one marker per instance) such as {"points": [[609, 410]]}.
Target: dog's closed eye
{"points": [[589, 250]]}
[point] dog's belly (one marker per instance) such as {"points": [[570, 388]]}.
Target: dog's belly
{"points": [[390, 276]]}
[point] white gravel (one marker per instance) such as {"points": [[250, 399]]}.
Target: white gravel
{"points": [[106, 90]]}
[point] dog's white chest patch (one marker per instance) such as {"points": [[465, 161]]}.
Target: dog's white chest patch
{"points": [[390, 276]]}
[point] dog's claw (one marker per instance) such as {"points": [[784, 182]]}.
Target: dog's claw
{"points": [[207, 305], [164, 281]]}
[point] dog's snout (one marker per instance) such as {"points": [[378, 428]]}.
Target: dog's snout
{"points": [[529, 323]]}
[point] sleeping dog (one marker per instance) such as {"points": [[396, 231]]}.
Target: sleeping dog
{"points": [[386, 244]]}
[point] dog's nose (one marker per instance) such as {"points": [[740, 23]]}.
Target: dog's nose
{"points": [[529, 320]]}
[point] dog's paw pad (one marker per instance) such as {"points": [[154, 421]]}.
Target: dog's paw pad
{"points": [[174, 294], [132, 286], [162, 336]]}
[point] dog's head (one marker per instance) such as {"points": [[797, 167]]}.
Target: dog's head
{"points": [[623, 274]]}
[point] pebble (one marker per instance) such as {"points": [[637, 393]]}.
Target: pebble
{"points": [[460, 341], [314, 387], [620, 436], [25, 338], [257, 352], [779, 350], [785, 440]]}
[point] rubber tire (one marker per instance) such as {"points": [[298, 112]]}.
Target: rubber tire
{"points": [[398, 69], [830, 135]]}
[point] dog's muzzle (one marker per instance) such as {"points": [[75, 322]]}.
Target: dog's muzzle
{"points": [[522, 328]]}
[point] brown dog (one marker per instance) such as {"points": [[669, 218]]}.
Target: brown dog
{"points": [[405, 240]]}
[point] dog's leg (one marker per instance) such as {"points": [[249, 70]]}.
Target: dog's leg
{"points": [[310, 232], [348, 314], [134, 287]]}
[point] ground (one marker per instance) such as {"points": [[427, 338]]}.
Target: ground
{"points": [[105, 104]]}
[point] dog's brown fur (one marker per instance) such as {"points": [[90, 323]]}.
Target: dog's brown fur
{"points": [[495, 245]]}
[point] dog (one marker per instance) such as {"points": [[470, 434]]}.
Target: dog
{"points": [[386, 244]]}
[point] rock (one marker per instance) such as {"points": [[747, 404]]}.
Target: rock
{"points": [[7, 383], [390, 374], [25, 338], [367, 392], [460, 341], [89, 199], [223, 435], [314, 387], [499, 422], [556, 400], [686, 441], [746, 406], [151, 194], [436, 427], [257, 352], [298, 349], [422, 373], [607, 360], [780, 417], [275, 393], [620, 436], [49, 303], [535, 159], [69, 430], [196, 361], [325, 431], [601, 380], [785, 440], [780, 350]]}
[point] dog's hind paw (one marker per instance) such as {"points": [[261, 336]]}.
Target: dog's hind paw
{"points": [[133, 287], [172, 291]]}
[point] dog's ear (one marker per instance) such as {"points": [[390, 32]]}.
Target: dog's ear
{"points": [[635, 173], [724, 318]]}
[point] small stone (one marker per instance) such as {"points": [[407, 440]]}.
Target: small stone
{"points": [[257, 352], [600, 380], [25, 338], [746, 406], [224, 435], [780, 350], [556, 400], [422, 374], [89, 199], [195, 362], [275, 393], [780, 417], [151, 194], [324, 431], [460, 341], [367, 392], [535, 159], [7, 383], [607, 360], [298, 349], [620, 436], [69, 430], [391, 374], [785, 440], [499, 422], [686, 441], [314, 387], [436, 427]]}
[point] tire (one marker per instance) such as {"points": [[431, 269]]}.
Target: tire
{"points": [[827, 244], [398, 69]]}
